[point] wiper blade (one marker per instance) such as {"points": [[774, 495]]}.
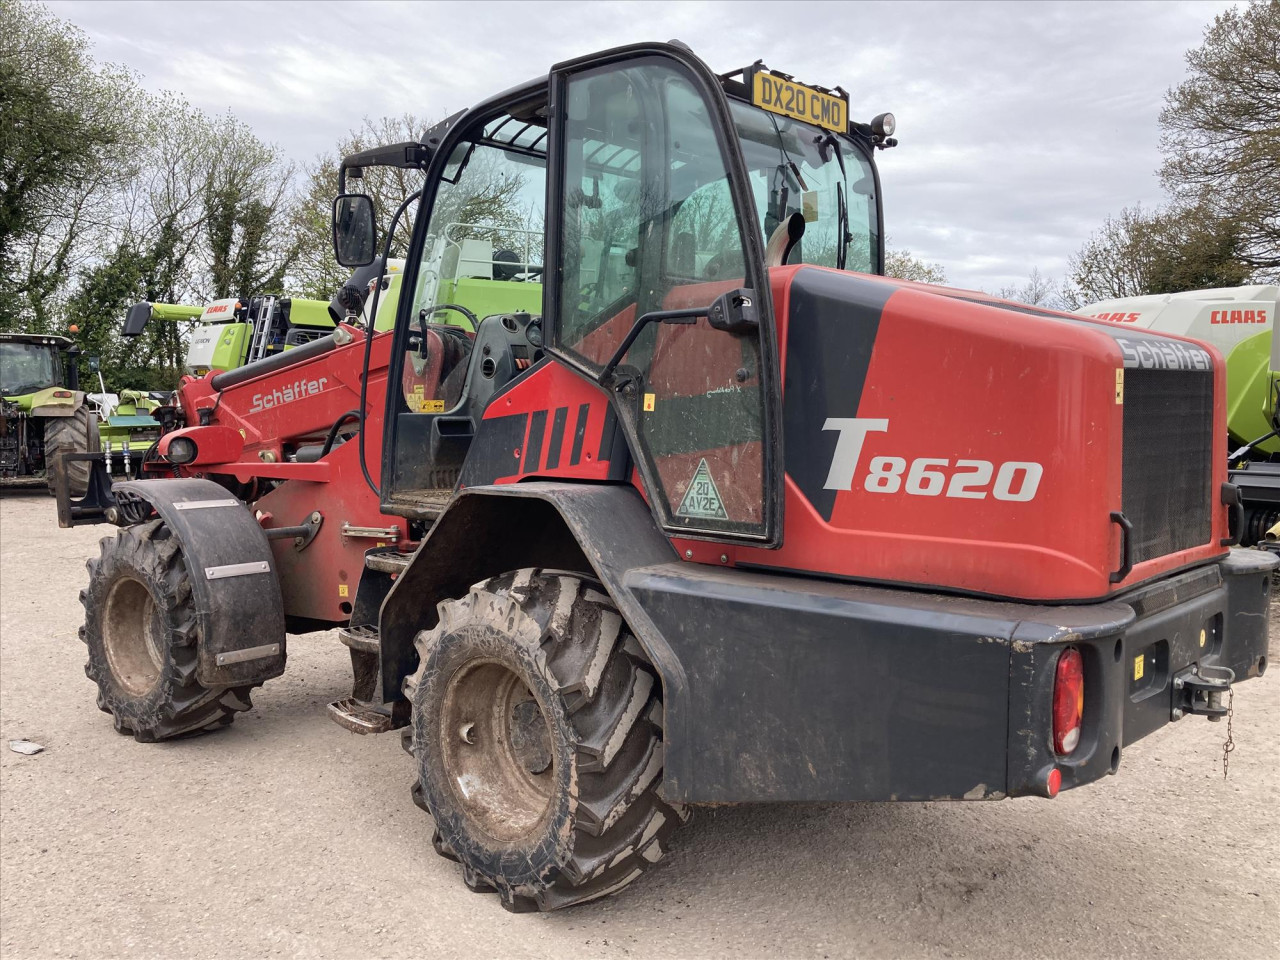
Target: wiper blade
{"points": [[842, 227]]}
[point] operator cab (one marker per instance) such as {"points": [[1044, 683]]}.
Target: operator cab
{"points": [[30, 362], [649, 212]]}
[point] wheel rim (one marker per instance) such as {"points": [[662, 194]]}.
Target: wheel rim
{"points": [[132, 634], [496, 745]]}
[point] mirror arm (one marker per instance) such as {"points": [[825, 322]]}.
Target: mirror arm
{"points": [[734, 312], [406, 156], [654, 316]]}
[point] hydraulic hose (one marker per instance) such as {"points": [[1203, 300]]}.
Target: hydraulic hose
{"points": [[337, 425], [368, 341]]}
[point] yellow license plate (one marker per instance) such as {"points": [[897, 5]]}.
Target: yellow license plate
{"points": [[799, 102]]}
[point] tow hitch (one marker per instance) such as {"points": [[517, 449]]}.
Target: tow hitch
{"points": [[1199, 690]]}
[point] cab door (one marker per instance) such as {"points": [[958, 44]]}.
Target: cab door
{"points": [[649, 216]]}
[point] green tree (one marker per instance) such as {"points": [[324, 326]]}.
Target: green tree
{"points": [[102, 296], [68, 128], [315, 273], [1221, 133], [1143, 252], [245, 212], [109, 195]]}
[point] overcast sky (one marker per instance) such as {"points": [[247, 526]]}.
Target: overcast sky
{"points": [[1022, 124]]}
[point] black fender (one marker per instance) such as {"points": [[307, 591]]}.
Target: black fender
{"points": [[234, 583], [602, 529]]}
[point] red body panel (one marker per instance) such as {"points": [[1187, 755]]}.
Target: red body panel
{"points": [[959, 380], [550, 389], [277, 413], [984, 398]]}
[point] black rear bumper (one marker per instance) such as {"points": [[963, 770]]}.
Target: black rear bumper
{"points": [[793, 689]]}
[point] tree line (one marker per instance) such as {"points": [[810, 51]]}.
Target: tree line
{"points": [[110, 194]]}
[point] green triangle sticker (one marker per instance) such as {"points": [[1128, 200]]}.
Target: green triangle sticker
{"points": [[702, 499]]}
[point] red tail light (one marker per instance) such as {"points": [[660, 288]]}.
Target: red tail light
{"points": [[1068, 701], [63, 394]]}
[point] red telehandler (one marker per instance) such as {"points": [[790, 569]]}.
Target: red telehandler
{"points": [[721, 516]]}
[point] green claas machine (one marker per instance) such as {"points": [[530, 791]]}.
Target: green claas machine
{"points": [[233, 332], [43, 412], [129, 423]]}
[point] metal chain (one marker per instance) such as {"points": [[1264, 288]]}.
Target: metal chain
{"points": [[1229, 744]]}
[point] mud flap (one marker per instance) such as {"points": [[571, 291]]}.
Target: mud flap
{"points": [[234, 584]]}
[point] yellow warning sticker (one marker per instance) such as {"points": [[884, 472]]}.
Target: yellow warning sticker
{"points": [[649, 400], [431, 406], [1137, 666], [809, 206], [1120, 385], [343, 590]]}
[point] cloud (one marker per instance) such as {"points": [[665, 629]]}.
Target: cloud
{"points": [[1022, 125]]}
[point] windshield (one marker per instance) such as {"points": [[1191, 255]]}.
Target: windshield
{"points": [[794, 167], [26, 368]]}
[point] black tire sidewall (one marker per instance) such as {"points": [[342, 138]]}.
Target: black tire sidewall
{"points": [[535, 859], [129, 560], [85, 439]]}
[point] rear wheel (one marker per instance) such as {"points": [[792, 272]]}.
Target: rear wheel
{"points": [[140, 627], [538, 739], [77, 433]]}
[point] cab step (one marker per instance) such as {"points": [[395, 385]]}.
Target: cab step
{"points": [[365, 718], [392, 561], [363, 638]]}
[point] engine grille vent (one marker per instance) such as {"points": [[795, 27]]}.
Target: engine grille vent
{"points": [[1168, 460]]}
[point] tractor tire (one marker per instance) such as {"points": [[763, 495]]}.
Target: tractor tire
{"points": [[537, 732], [140, 627], [77, 433]]}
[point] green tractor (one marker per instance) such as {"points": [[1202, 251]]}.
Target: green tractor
{"points": [[43, 412]]}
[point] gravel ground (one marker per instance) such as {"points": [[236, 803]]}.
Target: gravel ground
{"points": [[285, 834]]}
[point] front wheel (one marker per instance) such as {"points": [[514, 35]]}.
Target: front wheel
{"points": [[140, 627], [537, 730]]}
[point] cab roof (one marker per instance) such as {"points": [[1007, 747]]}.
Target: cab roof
{"points": [[47, 339]]}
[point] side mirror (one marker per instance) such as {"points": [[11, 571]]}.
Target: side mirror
{"points": [[93, 364], [136, 319], [355, 238]]}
